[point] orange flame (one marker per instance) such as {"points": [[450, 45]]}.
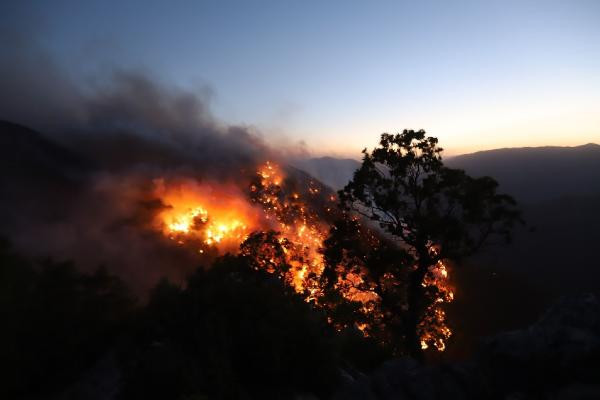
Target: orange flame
{"points": [[220, 216], [298, 225], [433, 329], [213, 214]]}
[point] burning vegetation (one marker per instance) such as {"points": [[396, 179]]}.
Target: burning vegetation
{"points": [[374, 259], [223, 219], [205, 216], [433, 329], [290, 230]]}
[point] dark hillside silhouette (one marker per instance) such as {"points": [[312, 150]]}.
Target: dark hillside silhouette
{"points": [[554, 255], [25, 151], [531, 173], [536, 174], [232, 332], [36, 174], [56, 323]]}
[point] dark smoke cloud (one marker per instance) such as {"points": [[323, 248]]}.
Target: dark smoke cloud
{"points": [[125, 130], [126, 108], [162, 125]]}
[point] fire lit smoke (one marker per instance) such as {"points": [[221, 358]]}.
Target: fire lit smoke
{"points": [[207, 215]]}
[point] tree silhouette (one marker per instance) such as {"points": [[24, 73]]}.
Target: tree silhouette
{"points": [[266, 251], [362, 282], [433, 212], [57, 323], [234, 331]]}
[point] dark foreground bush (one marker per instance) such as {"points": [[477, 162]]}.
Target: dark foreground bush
{"points": [[233, 332], [56, 322]]}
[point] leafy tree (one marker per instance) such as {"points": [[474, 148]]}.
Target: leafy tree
{"points": [[362, 282], [433, 212]]}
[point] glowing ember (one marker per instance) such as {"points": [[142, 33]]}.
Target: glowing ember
{"points": [[284, 230], [225, 218], [195, 212], [298, 224], [433, 329], [184, 221]]}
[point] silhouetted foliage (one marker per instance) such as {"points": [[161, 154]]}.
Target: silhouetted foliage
{"points": [[232, 332], [403, 186], [266, 251], [56, 322], [354, 250]]}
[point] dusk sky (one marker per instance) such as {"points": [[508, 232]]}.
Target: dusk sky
{"points": [[478, 75]]}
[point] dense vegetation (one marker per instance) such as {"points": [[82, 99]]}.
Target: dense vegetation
{"points": [[231, 332], [56, 322], [235, 329]]}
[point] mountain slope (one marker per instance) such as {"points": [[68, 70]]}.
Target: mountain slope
{"points": [[27, 152], [533, 174], [38, 177], [530, 174], [334, 172]]}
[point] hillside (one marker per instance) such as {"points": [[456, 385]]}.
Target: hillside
{"points": [[26, 152], [38, 177], [334, 172], [530, 174], [534, 174]]}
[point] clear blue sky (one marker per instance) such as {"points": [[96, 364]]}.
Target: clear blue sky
{"points": [[477, 74]]}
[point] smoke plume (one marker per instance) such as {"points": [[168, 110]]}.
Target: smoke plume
{"points": [[80, 186]]}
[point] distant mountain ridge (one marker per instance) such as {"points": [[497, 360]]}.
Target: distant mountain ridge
{"points": [[334, 172], [534, 174], [34, 170], [530, 174], [27, 151]]}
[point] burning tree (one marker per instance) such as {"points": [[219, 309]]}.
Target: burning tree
{"points": [[391, 285], [362, 282], [435, 214]]}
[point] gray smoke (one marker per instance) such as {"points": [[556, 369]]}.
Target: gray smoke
{"points": [[82, 189]]}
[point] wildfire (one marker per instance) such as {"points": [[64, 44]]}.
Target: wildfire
{"points": [[224, 218], [183, 222], [433, 329], [206, 214], [299, 226], [285, 230]]}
